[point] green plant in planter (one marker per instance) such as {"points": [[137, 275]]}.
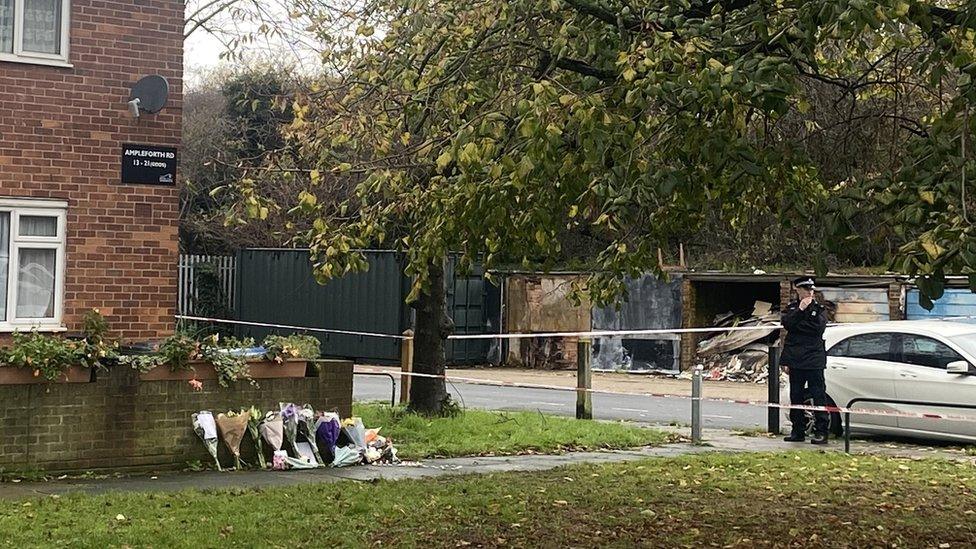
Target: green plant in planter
{"points": [[96, 349], [230, 367], [175, 351], [179, 350], [50, 356], [95, 327], [282, 348]]}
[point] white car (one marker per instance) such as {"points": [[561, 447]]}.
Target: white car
{"points": [[930, 361]]}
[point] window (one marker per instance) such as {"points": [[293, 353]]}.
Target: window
{"points": [[31, 263], [869, 346], [34, 31], [925, 351]]}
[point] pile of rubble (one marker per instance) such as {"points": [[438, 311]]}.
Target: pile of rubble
{"points": [[740, 355]]}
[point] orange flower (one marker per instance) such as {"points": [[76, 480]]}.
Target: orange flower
{"points": [[196, 385]]}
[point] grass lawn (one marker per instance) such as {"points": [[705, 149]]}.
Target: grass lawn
{"points": [[721, 500], [476, 433]]}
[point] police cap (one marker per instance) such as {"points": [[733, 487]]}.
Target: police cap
{"points": [[804, 282]]}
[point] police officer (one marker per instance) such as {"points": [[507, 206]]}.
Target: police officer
{"points": [[804, 359]]}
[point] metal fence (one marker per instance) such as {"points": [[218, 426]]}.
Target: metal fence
{"points": [[188, 292], [278, 286]]}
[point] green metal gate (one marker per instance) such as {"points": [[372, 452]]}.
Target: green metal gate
{"points": [[276, 286], [468, 303]]}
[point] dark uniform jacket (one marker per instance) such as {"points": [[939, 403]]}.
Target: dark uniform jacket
{"points": [[804, 348]]}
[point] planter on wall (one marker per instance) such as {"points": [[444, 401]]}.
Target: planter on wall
{"points": [[25, 376], [202, 370], [268, 369]]}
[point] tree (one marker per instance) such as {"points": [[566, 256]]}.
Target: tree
{"points": [[490, 127], [230, 123]]}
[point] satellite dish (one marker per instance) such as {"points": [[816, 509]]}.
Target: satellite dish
{"points": [[149, 94]]}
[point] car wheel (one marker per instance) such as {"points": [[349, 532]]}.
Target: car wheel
{"points": [[835, 425]]}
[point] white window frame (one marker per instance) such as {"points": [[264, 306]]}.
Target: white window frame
{"points": [[21, 56], [18, 207]]}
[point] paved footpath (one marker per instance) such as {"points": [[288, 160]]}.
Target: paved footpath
{"points": [[715, 441]]}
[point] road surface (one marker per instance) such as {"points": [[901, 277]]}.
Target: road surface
{"points": [[720, 415]]}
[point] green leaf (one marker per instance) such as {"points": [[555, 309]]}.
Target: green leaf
{"points": [[931, 247], [307, 199], [925, 301], [443, 160]]}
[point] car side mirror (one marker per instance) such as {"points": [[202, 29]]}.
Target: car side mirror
{"points": [[960, 367]]}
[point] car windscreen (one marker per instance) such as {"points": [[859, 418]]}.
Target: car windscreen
{"points": [[966, 342]]}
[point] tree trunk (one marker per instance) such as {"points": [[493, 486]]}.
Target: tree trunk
{"points": [[428, 395]]}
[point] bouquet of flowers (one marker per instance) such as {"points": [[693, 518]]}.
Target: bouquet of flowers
{"points": [[327, 433], [289, 418], [356, 431], [346, 456], [253, 427], [272, 431], [233, 426], [307, 423], [205, 428]]}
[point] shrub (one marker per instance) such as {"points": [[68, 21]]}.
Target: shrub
{"points": [[281, 348]]}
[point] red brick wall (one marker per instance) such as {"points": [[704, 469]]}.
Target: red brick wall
{"points": [[120, 423], [896, 308], [62, 133]]}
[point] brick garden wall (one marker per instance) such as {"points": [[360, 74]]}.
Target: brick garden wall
{"points": [[896, 309], [689, 341], [119, 422], [62, 132]]}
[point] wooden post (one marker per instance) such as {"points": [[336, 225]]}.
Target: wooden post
{"points": [[584, 380], [406, 366]]}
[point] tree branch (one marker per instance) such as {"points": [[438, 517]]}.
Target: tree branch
{"points": [[199, 22], [580, 67], [953, 17], [604, 14]]}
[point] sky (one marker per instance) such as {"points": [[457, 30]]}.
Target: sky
{"points": [[201, 54], [202, 49]]}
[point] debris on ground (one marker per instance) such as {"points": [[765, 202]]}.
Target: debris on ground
{"points": [[740, 355]]}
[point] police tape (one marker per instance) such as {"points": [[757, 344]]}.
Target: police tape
{"points": [[534, 335], [747, 402], [288, 327]]}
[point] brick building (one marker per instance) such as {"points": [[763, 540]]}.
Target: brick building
{"points": [[73, 236]]}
